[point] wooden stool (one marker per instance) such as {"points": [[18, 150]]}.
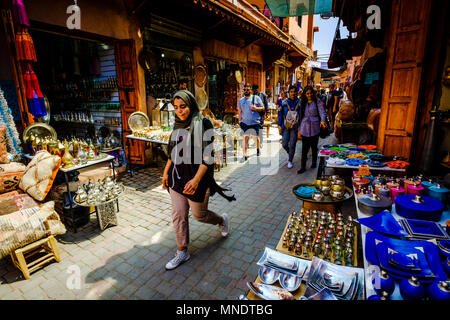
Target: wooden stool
{"points": [[20, 256]]}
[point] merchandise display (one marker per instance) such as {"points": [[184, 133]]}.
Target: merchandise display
{"points": [[345, 283], [313, 233], [94, 194]]}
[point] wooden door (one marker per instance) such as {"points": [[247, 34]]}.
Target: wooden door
{"points": [[231, 98], [402, 81], [125, 54], [254, 73]]}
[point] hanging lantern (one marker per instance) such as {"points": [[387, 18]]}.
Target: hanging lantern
{"points": [[167, 114]]}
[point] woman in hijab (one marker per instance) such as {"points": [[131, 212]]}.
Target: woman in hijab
{"points": [[312, 118], [189, 173]]}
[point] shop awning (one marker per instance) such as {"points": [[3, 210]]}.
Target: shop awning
{"points": [[249, 19], [295, 8]]}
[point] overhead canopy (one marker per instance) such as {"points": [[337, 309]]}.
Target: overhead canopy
{"points": [[326, 73], [295, 8]]}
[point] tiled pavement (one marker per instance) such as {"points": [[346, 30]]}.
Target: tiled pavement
{"points": [[127, 261]]}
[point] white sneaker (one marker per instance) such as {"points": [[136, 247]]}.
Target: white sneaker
{"points": [[180, 257], [225, 227], [290, 165]]}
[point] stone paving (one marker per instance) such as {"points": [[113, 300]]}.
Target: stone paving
{"points": [[127, 261]]}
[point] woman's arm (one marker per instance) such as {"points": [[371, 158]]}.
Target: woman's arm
{"points": [[322, 112], [192, 184], [165, 179]]}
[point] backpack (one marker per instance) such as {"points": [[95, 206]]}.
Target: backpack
{"points": [[291, 120]]}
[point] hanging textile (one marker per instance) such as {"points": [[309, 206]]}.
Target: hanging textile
{"points": [[12, 136], [34, 95], [19, 13], [294, 8], [25, 46]]}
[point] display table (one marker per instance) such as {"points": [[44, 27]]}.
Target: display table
{"points": [[369, 269], [106, 212], [71, 218], [155, 144], [323, 165]]}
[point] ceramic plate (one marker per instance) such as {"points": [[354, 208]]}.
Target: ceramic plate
{"points": [[385, 223], [425, 229], [377, 247]]}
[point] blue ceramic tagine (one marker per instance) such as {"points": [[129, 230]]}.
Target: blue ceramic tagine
{"points": [[412, 289], [446, 265], [383, 283], [439, 291]]}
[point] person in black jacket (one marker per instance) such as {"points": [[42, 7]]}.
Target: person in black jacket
{"points": [[189, 173], [262, 114]]}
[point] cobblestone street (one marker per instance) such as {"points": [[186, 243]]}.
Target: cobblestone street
{"points": [[127, 261]]}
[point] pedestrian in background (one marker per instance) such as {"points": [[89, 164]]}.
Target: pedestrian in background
{"points": [[312, 117], [263, 97], [288, 123], [281, 98], [249, 119], [190, 183]]}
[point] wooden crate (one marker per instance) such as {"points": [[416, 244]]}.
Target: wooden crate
{"points": [[35, 255]]}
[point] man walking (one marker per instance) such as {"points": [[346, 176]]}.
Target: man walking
{"points": [[249, 108], [262, 95]]}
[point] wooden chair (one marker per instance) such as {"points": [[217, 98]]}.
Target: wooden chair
{"points": [[22, 258]]}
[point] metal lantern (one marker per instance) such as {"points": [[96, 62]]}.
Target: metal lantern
{"points": [[167, 114]]}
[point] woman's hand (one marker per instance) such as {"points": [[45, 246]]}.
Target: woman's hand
{"points": [[191, 186], [279, 130], [165, 181], [299, 135], [323, 124]]}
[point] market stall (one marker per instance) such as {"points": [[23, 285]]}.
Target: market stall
{"points": [[350, 156], [405, 236]]}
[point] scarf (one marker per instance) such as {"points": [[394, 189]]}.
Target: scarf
{"points": [[195, 124]]}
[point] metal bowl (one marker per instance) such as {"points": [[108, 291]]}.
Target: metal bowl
{"points": [[268, 275], [317, 196], [337, 194], [325, 189], [290, 282], [339, 181], [325, 182], [337, 187]]}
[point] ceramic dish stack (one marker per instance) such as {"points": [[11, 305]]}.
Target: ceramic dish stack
{"points": [[345, 283], [403, 259]]}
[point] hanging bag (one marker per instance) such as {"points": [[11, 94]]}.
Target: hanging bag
{"points": [[341, 49], [291, 120], [324, 132]]}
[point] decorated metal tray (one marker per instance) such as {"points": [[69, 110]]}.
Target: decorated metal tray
{"points": [[42, 130], [269, 292], [95, 204], [138, 120], [326, 199]]}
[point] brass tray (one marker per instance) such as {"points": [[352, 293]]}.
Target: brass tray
{"points": [[40, 129], [138, 120], [327, 199], [202, 98]]}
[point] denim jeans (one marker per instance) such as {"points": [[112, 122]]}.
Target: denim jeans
{"points": [[289, 142]]}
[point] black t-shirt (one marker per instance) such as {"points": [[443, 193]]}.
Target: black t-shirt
{"points": [[334, 93], [263, 97], [180, 174]]}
